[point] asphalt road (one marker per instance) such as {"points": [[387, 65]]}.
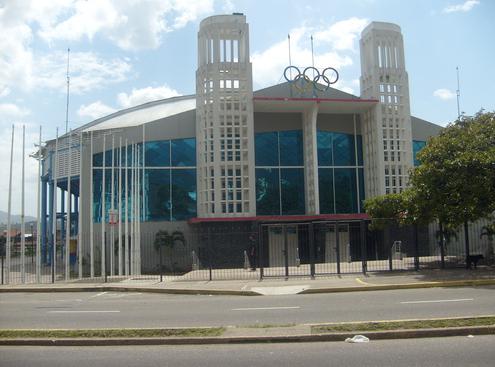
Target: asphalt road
{"points": [[451, 352], [107, 309]]}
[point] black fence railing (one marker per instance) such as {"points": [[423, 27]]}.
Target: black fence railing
{"points": [[254, 251]]}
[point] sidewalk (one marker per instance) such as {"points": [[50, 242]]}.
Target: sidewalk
{"points": [[271, 287]]}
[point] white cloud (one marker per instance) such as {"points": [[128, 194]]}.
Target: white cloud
{"points": [[88, 71], [335, 46], [95, 110], [228, 7], [10, 110], [130, 24], [4, 91], [444, 94], [126, 100], [464, 7], [143, 95], [342, 35]]}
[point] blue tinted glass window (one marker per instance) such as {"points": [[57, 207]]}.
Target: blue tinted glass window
{"points": [[324, 144], [97, 160], [97, 193], [267, 191], [292, 186], [138, 152], [345, 190], [325, 184], [157, 187], [108, 158], [343, 149], [266, 149], [359, 149], [97, 181], [417, 146], [361, 188], [291, 148], [184, 152], [183, 194], [157, 153]]}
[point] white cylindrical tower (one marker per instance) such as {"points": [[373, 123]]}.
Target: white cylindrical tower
{"points": [[224, 119], [387, 137]]}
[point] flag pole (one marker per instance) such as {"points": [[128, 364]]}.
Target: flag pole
{"points": [[79, 207], [54, 228], [38, 217], [69, 209], [8, 245], [23, 223], [120, 206]]}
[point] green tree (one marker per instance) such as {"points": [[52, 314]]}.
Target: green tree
{"points": [[455, 182], [166, 239], [385, 209]]}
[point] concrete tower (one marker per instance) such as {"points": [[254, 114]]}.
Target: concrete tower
{"points": [[387, 138], [224, 119]]}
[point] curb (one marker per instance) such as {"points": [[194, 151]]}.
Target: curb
{"points": [[331, 337], [384, 287], [230, 292], [218, 292]]}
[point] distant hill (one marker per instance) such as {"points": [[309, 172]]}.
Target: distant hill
{"points": [[14, 218]]}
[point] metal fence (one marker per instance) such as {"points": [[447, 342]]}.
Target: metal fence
{"points": [[253, 251]]}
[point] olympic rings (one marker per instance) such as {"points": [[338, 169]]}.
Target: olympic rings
{"points": [[311, 78]]}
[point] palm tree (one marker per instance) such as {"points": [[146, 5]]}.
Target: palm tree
{"points": [[167, 240], [163, 238]]}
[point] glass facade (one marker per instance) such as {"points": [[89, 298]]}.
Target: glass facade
{"points": [[169, 185], [279, 173], [417, 146], [340, 172]]}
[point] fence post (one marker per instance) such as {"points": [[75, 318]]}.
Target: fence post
{"points": [[337, 245], [416, 247], [442, 248], [311, 237], [105, 254], [466, 243], [260, 252], [2, 268], [386, 235], [208, 251], [54, 253], [364, 255], [286, 252], [161, 264]]}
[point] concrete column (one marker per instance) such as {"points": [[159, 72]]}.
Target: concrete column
{"points": [[312, 197]]}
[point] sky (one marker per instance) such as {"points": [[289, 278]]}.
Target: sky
{"points": [[127, 52]]}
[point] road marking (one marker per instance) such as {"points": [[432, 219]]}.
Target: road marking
{"points": [[441, 300], [361, 281], [85, 311], [99, 294], [265, 308]]}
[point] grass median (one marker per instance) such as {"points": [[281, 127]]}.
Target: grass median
{"points": [[110, 333], [403, 325]]}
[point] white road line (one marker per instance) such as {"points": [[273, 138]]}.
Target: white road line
{"points": [[441, 300], [99, 294], [85, 311], [265, 308]]}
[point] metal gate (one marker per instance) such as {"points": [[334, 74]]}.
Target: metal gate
{"points": [[284, 250]]}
